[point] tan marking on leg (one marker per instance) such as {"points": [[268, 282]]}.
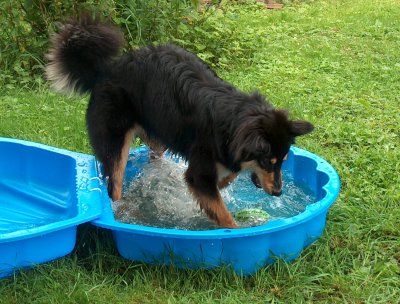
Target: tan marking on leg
{"points": [[225, 176], [215, 209], [118, 174], [227, 180], [157, 149], [266, 180]]}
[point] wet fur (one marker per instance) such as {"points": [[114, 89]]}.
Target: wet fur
{"points": [[172, 100]]}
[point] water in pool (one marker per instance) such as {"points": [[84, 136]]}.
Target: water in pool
{"points": [[158, 197]]}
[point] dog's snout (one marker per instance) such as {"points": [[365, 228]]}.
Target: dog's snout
{"points": [[276, 192], [268, 182]]}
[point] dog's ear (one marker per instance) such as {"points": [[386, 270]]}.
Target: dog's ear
{"points": [[300, 127], [253, 144], [249, 140]]}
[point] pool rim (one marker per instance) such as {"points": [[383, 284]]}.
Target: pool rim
{"points": [[332, 189]]}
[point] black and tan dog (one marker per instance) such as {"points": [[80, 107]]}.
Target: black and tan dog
{"points": [[172, 100]]}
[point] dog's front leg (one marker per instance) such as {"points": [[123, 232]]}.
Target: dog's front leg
{"points": [[202, 182], [215, 209], [227, 180]]}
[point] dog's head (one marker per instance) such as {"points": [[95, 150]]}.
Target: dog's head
{"points": [[261, 143]]}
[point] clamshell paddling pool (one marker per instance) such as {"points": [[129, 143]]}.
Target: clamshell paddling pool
{"points": [[45, 193]]}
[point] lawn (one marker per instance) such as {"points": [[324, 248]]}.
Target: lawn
{"points": [[335, 63]]}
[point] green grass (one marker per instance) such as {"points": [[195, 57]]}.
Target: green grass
{"points": [[335, 63]]}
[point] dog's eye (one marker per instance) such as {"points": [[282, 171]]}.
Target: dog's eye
{"points": [[266, 164]]}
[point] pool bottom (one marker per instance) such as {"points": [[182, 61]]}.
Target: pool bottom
{"points": [[25, 207]]}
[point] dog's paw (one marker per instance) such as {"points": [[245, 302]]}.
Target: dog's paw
{"points": [[227, 223]]}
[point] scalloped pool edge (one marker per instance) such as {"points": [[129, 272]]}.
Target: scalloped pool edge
{"points": [[244, 249]]}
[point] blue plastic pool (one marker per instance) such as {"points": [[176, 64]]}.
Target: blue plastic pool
{"points": [[45, 193], [245, 249]]}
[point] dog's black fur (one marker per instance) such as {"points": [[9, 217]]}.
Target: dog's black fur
{"points": [[172, 100]]}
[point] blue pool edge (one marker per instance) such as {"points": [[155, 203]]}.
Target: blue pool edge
{"points": [[332, 188], [244, 249]]}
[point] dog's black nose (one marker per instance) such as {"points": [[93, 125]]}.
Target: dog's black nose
{"points": [[276, 193]]}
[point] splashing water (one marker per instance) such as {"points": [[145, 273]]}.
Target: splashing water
{"points": [[158, 196]]}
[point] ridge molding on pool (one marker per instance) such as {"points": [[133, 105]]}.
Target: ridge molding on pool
{"points": [[244, 249], [53, 193], [69, 185]]}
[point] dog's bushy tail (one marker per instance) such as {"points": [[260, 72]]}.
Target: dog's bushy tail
{"points": [[81, 53]]}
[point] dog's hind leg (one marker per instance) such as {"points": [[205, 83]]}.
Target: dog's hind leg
{"points": [[156, 148], [117, 175], [201, 178], [110, 124]]}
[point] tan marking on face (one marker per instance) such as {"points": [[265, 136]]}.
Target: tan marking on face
{"points": [[274, 160], [119, 170], [266, 178]]}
